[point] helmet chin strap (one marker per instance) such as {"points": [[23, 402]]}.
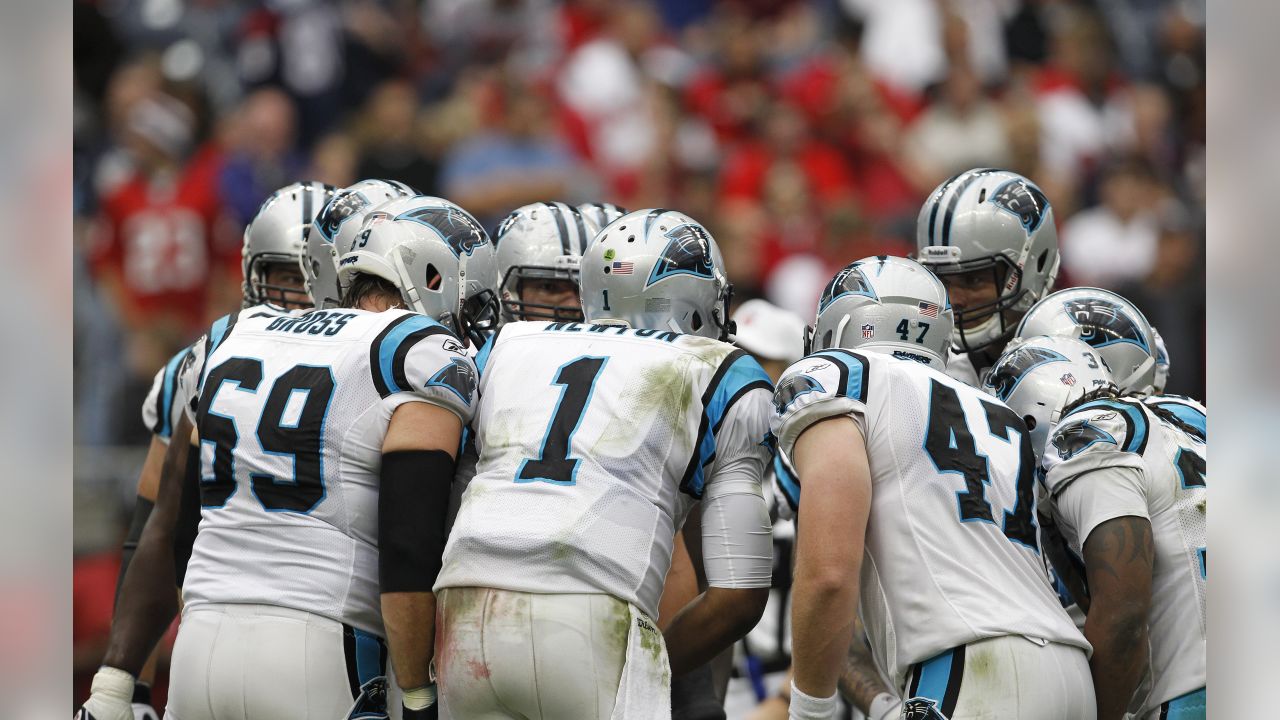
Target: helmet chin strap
{"points": [[1143, 368]]}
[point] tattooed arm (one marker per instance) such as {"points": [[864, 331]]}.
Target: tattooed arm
{"points": [[1118, 558], [860, 682]]}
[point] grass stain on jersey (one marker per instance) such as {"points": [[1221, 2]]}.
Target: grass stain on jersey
{"points": [[660, 394]]}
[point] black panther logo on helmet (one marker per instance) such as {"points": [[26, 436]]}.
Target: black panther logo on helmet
{"points": [[459, 232], [342, 207], [1009, 372], [1024, 200], [848, 281], [1103, 322], [688, 252]]}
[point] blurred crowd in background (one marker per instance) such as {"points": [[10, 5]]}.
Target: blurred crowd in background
{"points": [[804, 134]]}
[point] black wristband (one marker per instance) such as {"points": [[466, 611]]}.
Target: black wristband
{"points": [[432, 712], [141, 693], [413, 502]]}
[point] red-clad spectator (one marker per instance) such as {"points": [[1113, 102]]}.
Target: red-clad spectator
{"points": [[159, 248], [786, 139]]}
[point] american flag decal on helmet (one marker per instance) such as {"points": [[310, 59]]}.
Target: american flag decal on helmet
{"points": [[928, 309], [623, 267]]}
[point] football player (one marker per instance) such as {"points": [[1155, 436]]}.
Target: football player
{"points": [[327, 444], [990, 236], [1125, 481], [273, 244], [595, 440], [918, 506], [539, 248]]}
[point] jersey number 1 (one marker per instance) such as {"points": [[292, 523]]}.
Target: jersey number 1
{"points": [[950, 445], [301, 439], [553, 465]]}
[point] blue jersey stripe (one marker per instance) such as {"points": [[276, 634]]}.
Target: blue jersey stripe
{"points": [[1136, 421], [853, 372], [405, 330], [738, 374], [787, 482], [163, 422], [1187, 414], [482, 357]]}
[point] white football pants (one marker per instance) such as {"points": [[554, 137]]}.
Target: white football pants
{"points": [[243, 662], [505, 654], [1003, 677]]}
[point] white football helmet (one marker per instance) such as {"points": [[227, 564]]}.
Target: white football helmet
{"points": [[540, 241], [334, 227], [278, 234], [1161, 378], [439, 258], [1114, 327], [990, 226], [657, 269], [887, 304], [601, 214], [1039, 376]]}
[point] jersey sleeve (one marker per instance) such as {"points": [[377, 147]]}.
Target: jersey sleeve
{"points": [[416, 359], [738, 389], [737, 537], [164, 401], [189, 376], [1190, 413], [1093, 466], [826, 384]]}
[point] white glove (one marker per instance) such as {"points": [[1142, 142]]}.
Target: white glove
{"points": [[110, 698], [885, 707]]}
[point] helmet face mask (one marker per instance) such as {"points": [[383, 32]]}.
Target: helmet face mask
{"points": [[278, 236], [537, 243]]}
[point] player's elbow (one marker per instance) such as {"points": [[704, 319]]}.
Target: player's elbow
{"points": [[741, 607]]}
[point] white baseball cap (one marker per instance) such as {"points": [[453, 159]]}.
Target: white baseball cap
{"points": [[768, 331]]}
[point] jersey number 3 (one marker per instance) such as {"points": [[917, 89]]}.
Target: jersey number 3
{"points": [[553, 465], [300, 439], [950, 445]]}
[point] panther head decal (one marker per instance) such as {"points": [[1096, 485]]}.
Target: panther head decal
{"points": [[1023, 200], [1006, 375], [1074, 437], [848, 281], [457, 376], [1103, 322], [342, 207], [791, 388], [919, 708], [688, 252], [459, 232]]}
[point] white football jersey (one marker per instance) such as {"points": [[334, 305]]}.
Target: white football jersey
{"points": [[1112, 458], [1189, 411], [164, 403], [960, 367], [594, 442], [952, 554], [291, 412]]}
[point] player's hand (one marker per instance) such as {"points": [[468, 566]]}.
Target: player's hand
{"points": [[111, 697], [142, 709], [885, 707]]}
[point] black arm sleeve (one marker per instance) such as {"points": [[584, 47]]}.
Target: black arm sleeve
{"points": [[413, 502], [141, 511], [184, 533]]}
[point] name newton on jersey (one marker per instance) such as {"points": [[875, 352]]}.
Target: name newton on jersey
{"points": [[665, 335]]}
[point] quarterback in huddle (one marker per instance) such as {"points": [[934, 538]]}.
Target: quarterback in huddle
{"points": [[428, 472]]}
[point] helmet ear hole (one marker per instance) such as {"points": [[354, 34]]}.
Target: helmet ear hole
{"points": [[982, 196], [433, 277], [696, 321], [826, 339], [1030, 420], [1044, 255]]}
